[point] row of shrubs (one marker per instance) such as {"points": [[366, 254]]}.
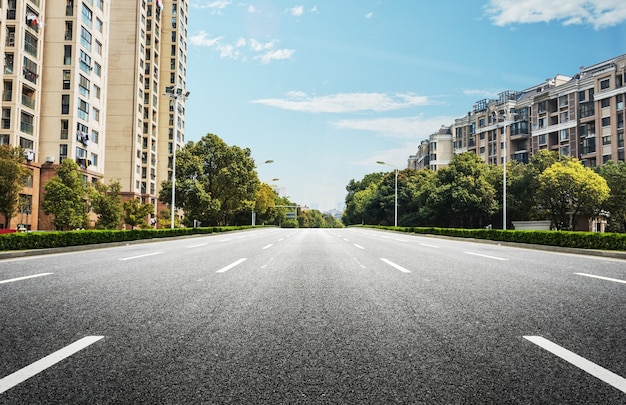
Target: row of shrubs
{"points": [[580, 240], [43, 240]]}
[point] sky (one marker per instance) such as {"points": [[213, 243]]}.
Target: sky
{"points": [[327, 88]]}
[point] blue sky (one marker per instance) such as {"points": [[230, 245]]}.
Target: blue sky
{"points": [[326, 88]]}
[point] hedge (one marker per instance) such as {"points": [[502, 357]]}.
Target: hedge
{"points": [[569, 239], [42, 240]]}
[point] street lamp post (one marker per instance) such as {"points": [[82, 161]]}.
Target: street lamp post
{"points": [[505, 122], [175, 93], [253, 219], [396, 191]]}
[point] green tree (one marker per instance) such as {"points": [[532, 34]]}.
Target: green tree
{"points": [[463, 195], [106, 202], [135, 213], [615, 204], [354, 212], [12, 177], [568, 189], [414, 195], [65, 197], [214, 181]]}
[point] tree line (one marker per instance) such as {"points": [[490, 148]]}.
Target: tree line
{"points": [[216, 185], [468, 193]]}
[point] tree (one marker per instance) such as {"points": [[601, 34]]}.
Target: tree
{"points": [[214, 181], [12, 176], [65, 197], [463, 195], [106, 202], [615, 204], [355, 208], [136, 213], [568, 189], [413, 197]]}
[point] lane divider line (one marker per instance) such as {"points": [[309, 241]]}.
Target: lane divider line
{"points": [[267, 247], [140, 256], [37, 367], [431, 246], [359, 246], [195, 246], [590, 367], [395, 266], [25, 278], [602, 278], [230, 266], [486, 256]]}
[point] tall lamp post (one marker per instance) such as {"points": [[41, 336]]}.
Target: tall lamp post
{"points": [[396, 187], [175, 93], [504, 118], [253, 220]]}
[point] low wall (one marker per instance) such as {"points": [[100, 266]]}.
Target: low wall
{"points": [[531, 225]]}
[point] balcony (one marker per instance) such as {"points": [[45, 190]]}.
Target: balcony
{"points": [[28, 101], [27, 127]]}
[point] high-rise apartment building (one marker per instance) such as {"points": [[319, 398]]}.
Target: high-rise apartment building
{"points": [[86, 80], [580, 116]]}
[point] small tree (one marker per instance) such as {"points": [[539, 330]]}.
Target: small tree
{"points": [[136, 213], [106, 202], [568, 189], [12, 176], [65, 197]]}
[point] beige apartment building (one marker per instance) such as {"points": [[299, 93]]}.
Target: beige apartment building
{"points": [[580, 116], [86, 80]]}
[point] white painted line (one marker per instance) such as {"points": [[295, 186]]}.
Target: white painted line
{"points": [[281, 239], [359, 246], [225, 240], [346, 239], [37, 367], [396, 266], [140, 256], [400, 240], [230, 266], [486, 256], [592, 368], [24, 278], [427, 245], [602, 278], [268, 246], [195, 246]]}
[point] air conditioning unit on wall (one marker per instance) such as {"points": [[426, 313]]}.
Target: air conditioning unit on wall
{"points": [[49, 159]]}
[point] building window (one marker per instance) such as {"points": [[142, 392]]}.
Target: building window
{"points": [[606, 121], [581, 95], [563, 101], [85, 38], [97, 69], [85, 62], [95, 136], [65, 128], [62, 152], [604, 84], [67, 54], [94, 159], [606, 102], [543, 139], [83, 86], [65, 104], [66, 79], [606, 140], [619, 101], [563, 135], [87, 15], [83, 110]]}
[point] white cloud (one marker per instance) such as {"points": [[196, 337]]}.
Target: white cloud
{"points": [[345, 102], [277, 54], [416, 127], [215, 6], [369, 15], [252, 9], [597, 13], [241, 48], [297, 11]]}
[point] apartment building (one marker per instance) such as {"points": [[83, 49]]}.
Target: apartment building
{"points": [[580, 116], [435, 152], [86, 80]]}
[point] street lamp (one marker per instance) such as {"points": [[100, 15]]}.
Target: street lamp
{"points": [[504, 118], [396, 203], [175, 93], [253, 219]]}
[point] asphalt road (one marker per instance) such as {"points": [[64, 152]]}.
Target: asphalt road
{"points": [[313, 316]]}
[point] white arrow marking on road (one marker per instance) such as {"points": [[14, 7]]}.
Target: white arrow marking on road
{"points": [[592, 368], [37, 367], [24, 278], [230, 266], [140, 256], [487, 256], [395, 266], [602, 278]]}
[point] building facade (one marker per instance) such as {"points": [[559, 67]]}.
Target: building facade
{"points": [[581, 116], [86, 80]]}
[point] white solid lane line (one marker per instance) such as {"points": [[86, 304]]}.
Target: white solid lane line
{"points": [[35, 368], [592, 368], [24, 278], [395, 266], [602, 278], [140, 256], [486, 256], [230, 266]]}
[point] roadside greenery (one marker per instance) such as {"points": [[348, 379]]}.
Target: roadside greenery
{"points": [[65, 198], [14, 173], [468, 193]]}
